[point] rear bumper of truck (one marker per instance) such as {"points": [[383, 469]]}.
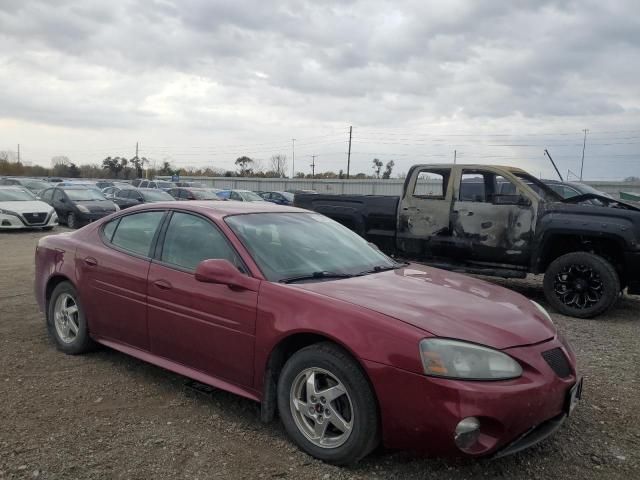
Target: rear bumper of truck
{"points": [[632, 265]]}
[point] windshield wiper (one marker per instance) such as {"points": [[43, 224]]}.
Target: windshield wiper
{"points": [[315, 276], [384, 268]]}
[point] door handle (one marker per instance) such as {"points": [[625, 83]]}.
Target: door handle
{"points": [[163, 285], [92, 262]]}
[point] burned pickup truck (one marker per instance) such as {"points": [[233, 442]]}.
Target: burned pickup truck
{"points": [[501, 221]]}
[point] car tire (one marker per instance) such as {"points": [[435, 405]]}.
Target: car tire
{"points": [[344, 421], [581, 284], [66, 321], [72, 220]]}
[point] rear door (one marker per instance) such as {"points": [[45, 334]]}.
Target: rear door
{"points": [[424, 210], [115, 272], [205, 326], [487, 224]]}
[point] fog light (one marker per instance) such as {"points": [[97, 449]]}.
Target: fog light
{"points": [[6, 223], [467, 432]]}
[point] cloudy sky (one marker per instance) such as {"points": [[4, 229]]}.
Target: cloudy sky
{"points": [[201, 82]]}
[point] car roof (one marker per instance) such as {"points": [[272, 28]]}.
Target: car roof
{"points": [[76, 186], [223, 209]]}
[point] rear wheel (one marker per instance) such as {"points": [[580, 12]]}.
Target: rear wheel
{"points": [[327, 406], [66, 321], [581, 284]]}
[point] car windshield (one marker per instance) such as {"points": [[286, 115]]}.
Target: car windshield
{"points": [[10, 195], [287, 195], [542, 189], [84, 194], [165, 185], [250, 196], [204, 195], [36, 186], [288, 245], [156, 196]]}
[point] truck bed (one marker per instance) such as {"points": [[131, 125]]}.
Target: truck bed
{"points": [[371, 216]]}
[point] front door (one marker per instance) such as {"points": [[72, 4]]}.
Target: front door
{"points": [[492, 218], [423, 217], [205, 326]]}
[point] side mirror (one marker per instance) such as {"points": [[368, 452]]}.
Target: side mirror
{"points": [[223, 272]]}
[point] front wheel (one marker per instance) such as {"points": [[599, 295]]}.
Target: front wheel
{"points": [[72, 220], [581, 284], [327, 406]]}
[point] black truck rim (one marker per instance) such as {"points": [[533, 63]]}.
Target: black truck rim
{"points": [[578, 286]]}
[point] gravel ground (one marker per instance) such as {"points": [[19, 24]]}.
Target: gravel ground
{"points": [[106, 415]]}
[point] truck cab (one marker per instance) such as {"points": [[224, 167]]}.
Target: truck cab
{"points": [[478, 212]]}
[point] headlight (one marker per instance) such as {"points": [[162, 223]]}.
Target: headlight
{"points": [[8, 212], [466, 361], [83, 209], [542, 310]]}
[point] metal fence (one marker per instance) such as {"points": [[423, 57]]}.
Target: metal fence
{"points": [[354, 187]]}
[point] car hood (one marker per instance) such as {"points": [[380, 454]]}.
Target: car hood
{"points": [[445, 304], [28, 206]]}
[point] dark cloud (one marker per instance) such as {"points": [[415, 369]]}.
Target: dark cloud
{"points": [[198, 64]]}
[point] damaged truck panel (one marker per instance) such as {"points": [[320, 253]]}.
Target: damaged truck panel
{"points": [[502, 221]]}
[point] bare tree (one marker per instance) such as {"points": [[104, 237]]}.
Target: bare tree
{"points": [[279, 165]]}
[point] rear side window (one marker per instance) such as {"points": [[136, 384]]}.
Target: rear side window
{"points": [[431, 184], [191, 239], [135, 232], [109, 228]]}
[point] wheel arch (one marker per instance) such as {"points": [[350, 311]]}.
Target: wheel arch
{"points": [[557, 243], [52, 283], [282, 351]]}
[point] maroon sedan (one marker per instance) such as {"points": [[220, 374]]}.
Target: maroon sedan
{"points": [[290, 309]]}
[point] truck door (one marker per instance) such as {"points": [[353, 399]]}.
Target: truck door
{"points": [[492, 218], [423, 212]]}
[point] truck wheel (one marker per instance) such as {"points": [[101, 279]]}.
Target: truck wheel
{"points": [[581, 284], [327, 406]]}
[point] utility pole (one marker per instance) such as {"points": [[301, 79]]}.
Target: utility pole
{"points": [[136, 150], [349, 153], [18, 153], [455, 156], [313, 166], [584, 144], [293, 155]]}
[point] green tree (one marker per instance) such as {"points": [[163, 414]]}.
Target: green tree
{"points": [[377, 166], [388, 168], [244, 163]]}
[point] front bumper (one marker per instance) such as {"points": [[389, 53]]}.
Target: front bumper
{"points": [[18, 221], [420, 413]]}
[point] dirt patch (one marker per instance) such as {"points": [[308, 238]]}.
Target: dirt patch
{"points": [[106, 415]]}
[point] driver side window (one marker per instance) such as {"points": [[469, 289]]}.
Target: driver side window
{"points": [[191, 239]]}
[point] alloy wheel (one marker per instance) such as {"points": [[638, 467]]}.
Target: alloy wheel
{"points": [[66, 318], [321, 408], [578, 286]]}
